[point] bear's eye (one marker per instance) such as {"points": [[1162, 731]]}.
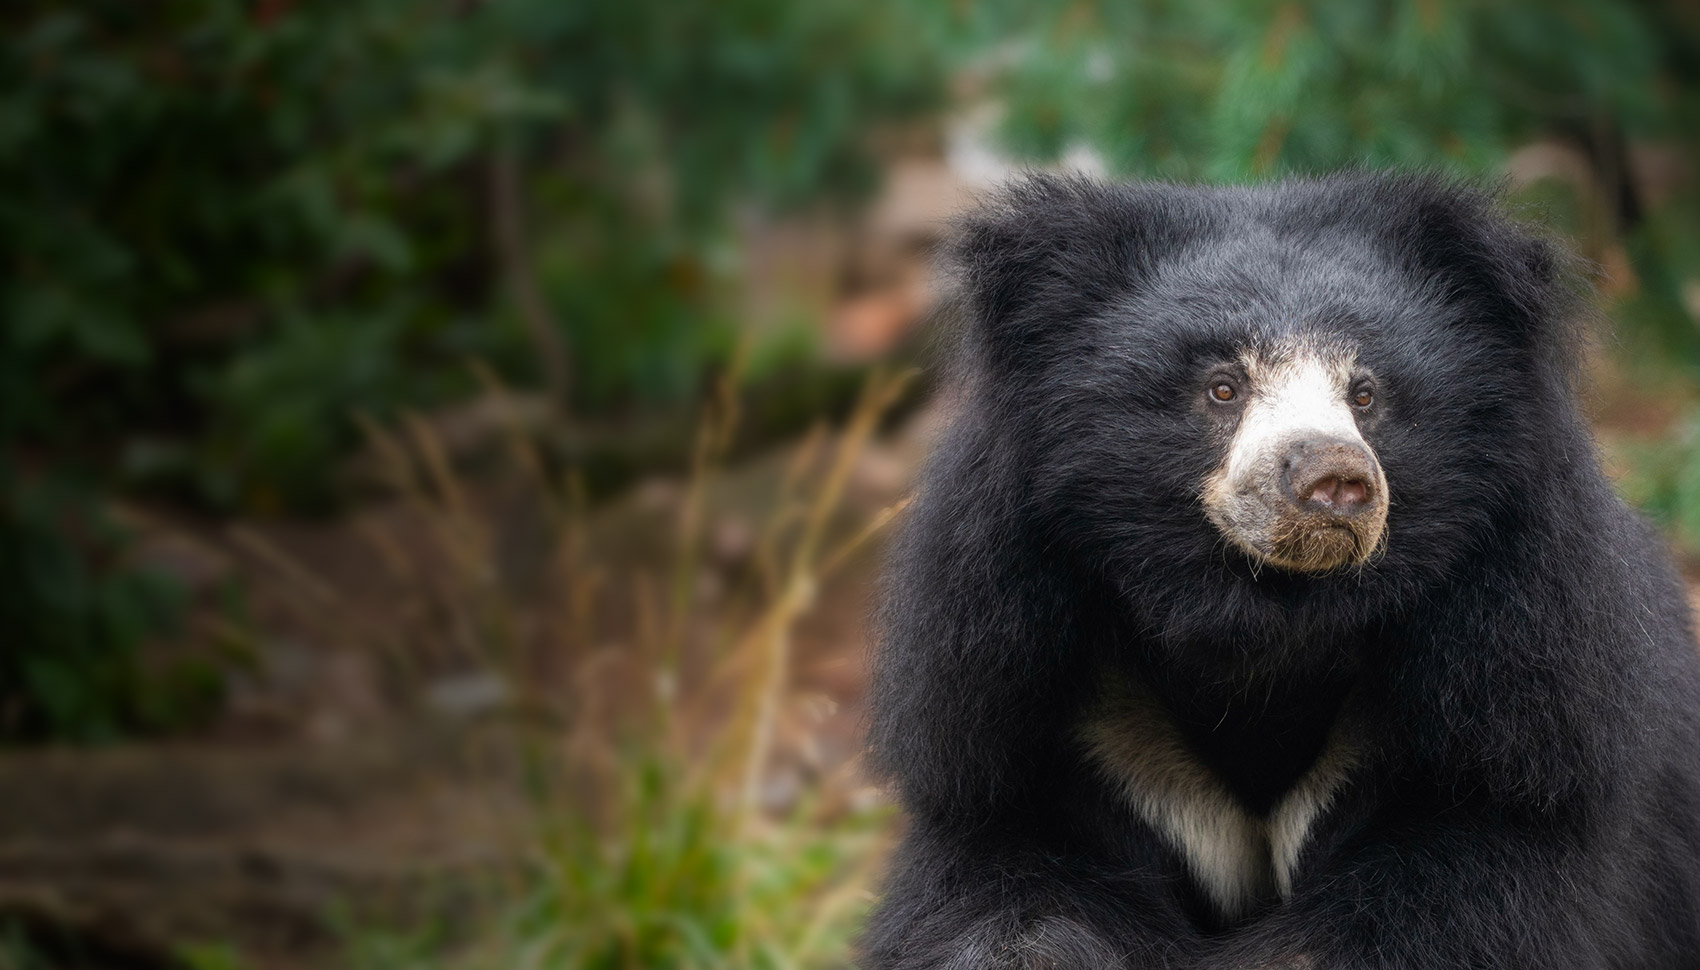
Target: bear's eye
{"points": [[1224, 392], [1362, 397]]}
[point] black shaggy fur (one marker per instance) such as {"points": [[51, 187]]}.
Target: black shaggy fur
{"points": [[1519, 660]]}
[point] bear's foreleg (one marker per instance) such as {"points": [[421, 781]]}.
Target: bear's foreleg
{"points": [[1470, 893], [960, 906]]}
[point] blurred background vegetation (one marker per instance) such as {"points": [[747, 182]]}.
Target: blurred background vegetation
{"points": [[373, 368]]}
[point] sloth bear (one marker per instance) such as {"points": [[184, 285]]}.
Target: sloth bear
{"points": [[1265, 604]]}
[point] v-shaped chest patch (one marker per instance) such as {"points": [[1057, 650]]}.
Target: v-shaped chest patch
{"points": [[1237, 857]]}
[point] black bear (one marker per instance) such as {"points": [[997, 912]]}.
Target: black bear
{"points": [[1265, 604]]}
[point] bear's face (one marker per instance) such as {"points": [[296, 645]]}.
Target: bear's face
{"points": [[1316, 397], [1246, 403], [1298, 485]]}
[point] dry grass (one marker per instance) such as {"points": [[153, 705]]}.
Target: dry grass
{"points": [[655, 839]]}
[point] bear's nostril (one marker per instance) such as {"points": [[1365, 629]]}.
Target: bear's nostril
{"points": [[1352, 491], [1344, 493], [1324, 491]]}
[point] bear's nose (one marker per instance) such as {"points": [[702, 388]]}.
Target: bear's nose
{"points": [[1329, 475]]}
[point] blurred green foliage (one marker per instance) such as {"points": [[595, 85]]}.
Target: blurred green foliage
{"points": [[228, 227], [1240, 90], [1662, 477], [75, 618], [231, 225]]}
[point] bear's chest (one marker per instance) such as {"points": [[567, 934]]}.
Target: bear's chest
{"points": [[1239, 856]]}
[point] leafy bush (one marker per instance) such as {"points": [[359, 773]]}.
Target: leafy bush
{"points": [[1241, 89], [232, 225], [75, 617]]}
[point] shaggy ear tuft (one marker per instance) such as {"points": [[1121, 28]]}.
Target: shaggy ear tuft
{"points": [[1048, 250], [1499, 272]]}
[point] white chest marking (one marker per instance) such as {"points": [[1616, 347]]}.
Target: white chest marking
{"points": [[1237, 857]]}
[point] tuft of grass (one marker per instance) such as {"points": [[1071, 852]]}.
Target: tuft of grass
{"points": [[681, 881]]}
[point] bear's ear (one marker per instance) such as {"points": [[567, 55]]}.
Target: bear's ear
{"points": [[1500, 273], [1048, 250]]}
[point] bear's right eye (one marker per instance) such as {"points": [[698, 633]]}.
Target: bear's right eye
{"points": [[1224, 392]]}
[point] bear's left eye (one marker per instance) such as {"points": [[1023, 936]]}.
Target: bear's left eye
{"points": [[1362, 397]]}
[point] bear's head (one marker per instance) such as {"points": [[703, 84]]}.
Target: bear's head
{"points": [[1279, 393]]}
